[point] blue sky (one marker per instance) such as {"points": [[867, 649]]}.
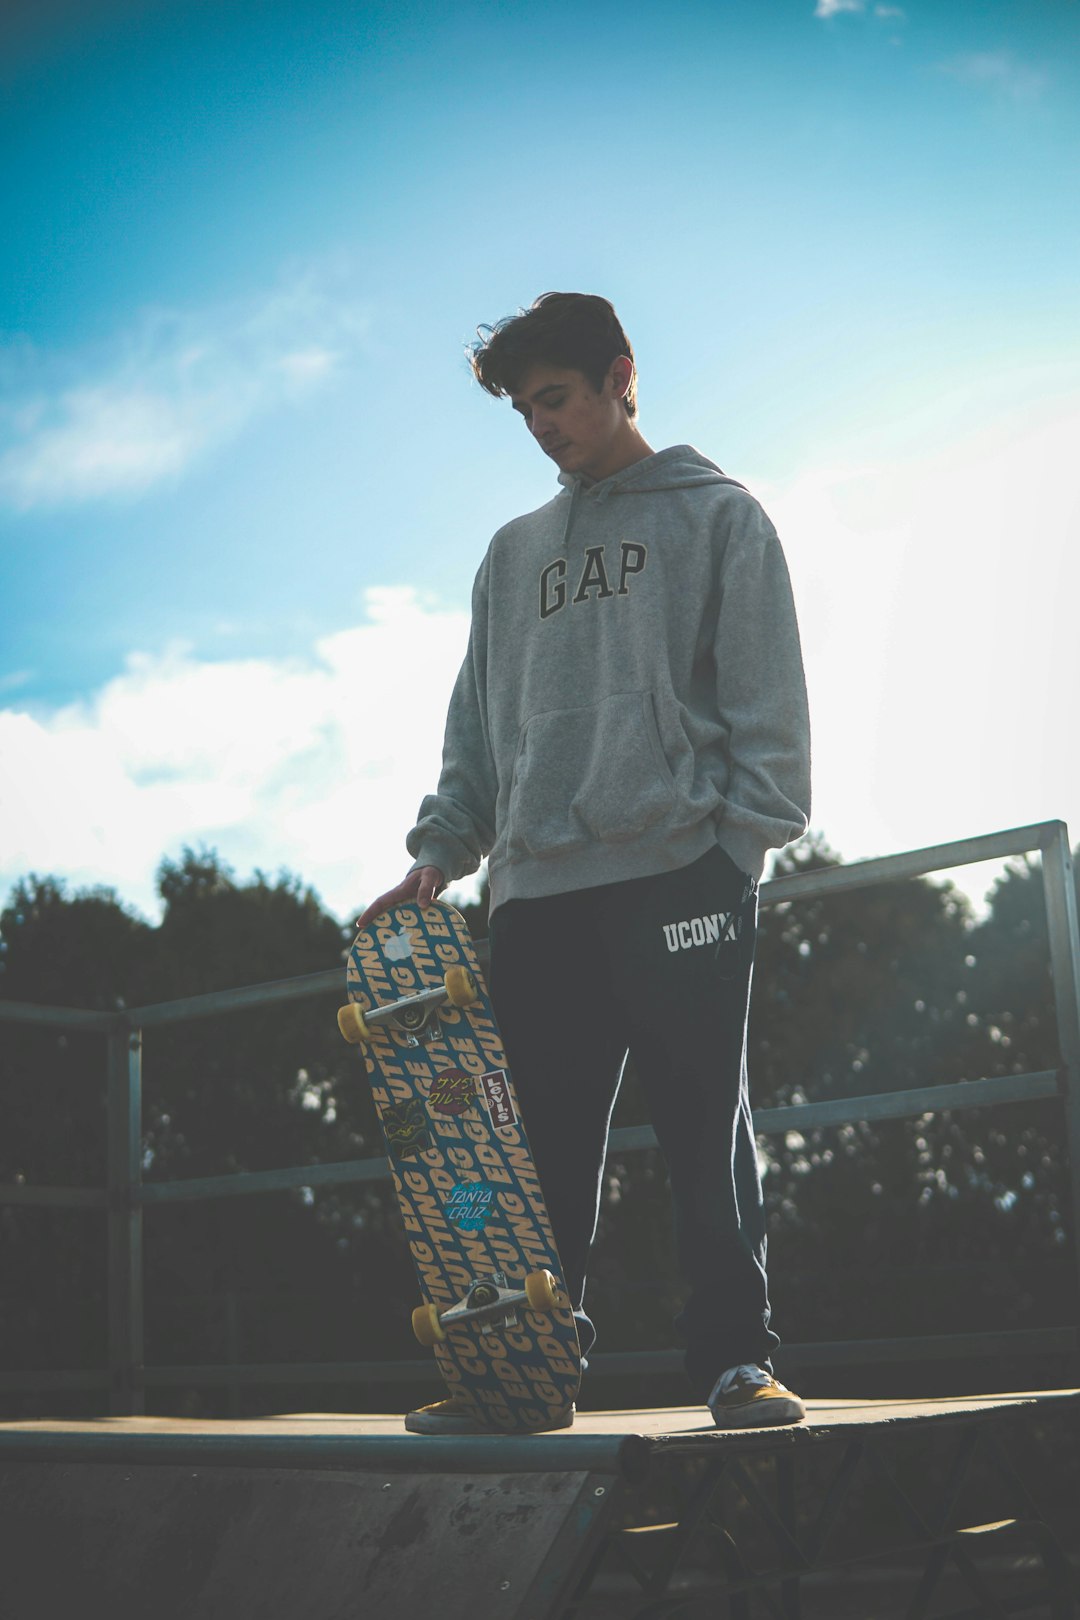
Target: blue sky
{"points": [[245, 478]]}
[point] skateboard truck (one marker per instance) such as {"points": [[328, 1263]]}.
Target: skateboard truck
{"points": [[489, 1303], [416, 1017]]}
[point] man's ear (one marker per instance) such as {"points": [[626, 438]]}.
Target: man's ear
{"points": [[621, 373]]}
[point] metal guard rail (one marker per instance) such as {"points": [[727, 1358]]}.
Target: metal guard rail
{"points": [[126, 1195]]}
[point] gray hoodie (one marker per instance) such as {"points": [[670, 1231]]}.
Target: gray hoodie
{"points": [[633, 691]]}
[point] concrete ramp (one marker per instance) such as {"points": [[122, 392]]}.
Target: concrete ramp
{"points": [[227, 1543], [314, 1517], [628, 1514]]}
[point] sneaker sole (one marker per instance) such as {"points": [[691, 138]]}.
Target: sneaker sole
{"points": [[416, 1424], [759, 1414], [420, 1423]]}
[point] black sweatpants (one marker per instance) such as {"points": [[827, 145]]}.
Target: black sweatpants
{"points": [[660, 966]]}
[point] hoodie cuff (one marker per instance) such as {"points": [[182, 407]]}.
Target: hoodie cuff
{"points": [[441, 854]]}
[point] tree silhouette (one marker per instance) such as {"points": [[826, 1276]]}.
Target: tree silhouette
{"points": [[949, 1222]]}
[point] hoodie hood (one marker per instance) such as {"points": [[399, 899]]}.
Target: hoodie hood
{"points": [[680, 467]]}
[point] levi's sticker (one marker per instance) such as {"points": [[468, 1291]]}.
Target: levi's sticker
{"points": [[452, 1092], [469, 1206], [499, 1102]]}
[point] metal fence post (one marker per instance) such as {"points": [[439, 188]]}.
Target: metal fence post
{"points": [[126, 1397], [1059, 885]]}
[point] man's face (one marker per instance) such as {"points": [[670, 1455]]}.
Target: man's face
{"points": [[581, 430]]}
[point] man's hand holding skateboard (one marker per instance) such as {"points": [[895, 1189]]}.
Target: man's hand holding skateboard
{"points": [[422, 886]]}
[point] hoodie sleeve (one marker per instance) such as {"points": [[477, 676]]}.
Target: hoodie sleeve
{"points": [[455, 826], [761, 694]]}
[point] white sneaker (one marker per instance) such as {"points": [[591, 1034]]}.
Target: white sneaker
{"points": [[748, 1397], [451, 1417]]}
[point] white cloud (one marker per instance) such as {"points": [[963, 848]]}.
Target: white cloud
{"points": [[317, 765], [308, 364], [937, 599], [936, 580], [834, 8], [174, 386], [1000, 71], [838, 8]]}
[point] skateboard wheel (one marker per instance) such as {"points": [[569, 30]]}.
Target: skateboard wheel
{"points": [[426, 1325], [352, 1024], [541, 1291], [461, 987]]}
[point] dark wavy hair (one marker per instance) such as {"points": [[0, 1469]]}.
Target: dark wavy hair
{"points": [[577, 331]]}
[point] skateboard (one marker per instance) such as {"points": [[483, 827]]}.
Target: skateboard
{"points": [[494, 1305]]}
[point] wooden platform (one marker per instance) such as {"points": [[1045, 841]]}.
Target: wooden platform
{"points": [[651, 1423], [628, 1513]]}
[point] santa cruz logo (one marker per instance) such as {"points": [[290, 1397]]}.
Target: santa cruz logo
{"points": [[719, 928], [469, 1206]]}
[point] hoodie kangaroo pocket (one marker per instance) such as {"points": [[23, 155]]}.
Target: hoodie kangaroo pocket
{"points": [[592, 774]]}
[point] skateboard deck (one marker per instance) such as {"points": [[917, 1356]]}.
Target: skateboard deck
{"points": [[494, 1306]]}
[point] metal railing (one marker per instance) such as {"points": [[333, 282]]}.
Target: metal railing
{"points": [[126, 1196]]}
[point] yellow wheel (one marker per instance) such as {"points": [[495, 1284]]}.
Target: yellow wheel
{"points": [[352, 1024], [426, 1325], [461, 987], [540, 1291]]}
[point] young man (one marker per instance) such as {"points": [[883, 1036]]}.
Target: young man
{"points": [[627, 739]]}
